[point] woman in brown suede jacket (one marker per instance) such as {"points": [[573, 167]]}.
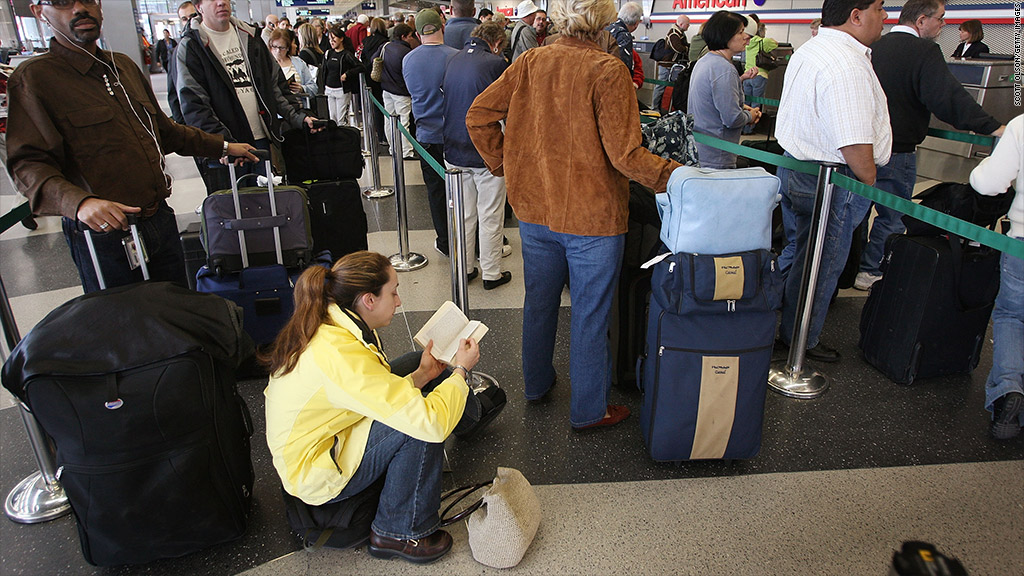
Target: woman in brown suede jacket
{"points": [[569, 189]]}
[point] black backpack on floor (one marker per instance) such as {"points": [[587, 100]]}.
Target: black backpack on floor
{"points": [[344, 524]]}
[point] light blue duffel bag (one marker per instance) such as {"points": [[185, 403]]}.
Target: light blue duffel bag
{"points": [[708, 211]]}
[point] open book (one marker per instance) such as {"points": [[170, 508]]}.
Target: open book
{"points": [[446, 327]]}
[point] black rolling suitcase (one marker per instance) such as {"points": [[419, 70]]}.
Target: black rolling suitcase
{"points": [[334, 153], [152, 437], [928, 314], [337, 217], [628, 324], [327, 164]]}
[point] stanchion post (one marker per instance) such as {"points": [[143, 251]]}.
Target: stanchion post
{"points": [[793, 377], [457, 250], [457, 238], [375, 191], [366, 114], [39, 497], [404, 261]]}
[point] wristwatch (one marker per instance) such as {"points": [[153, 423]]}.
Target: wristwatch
{"points": [[225, 151], [465, 371]]}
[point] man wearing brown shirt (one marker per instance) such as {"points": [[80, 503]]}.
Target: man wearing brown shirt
{"points": [[86, 141]]}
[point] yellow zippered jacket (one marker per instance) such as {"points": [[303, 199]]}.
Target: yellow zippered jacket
{"points": [[319, 414]]}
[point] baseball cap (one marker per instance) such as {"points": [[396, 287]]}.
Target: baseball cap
{"points": [[428, 22], [525, 8]]}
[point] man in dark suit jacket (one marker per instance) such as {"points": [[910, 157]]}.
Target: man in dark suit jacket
{"points": [[917, 83], [165, 48]]}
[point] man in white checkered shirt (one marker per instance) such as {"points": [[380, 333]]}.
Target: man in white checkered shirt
{"points": [[833, 110]]}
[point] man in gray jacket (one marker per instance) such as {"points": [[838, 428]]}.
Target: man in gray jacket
{"points": [[524, 36]]}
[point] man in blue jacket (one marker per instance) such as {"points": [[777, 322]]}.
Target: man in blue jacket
{"points": [[470, 72], [229, 84], [423, 71], [457, 29]]}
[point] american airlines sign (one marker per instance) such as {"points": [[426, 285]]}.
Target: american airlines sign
{"points": [[710, 4]]}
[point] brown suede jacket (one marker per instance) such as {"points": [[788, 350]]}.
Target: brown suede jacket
{"points": [[572, 137]]}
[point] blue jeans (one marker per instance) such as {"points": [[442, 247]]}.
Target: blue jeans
{"points": [[592, 265], [897, 178], [412, 468], [754, 87], [664, 73], [159, 234], [847, 211], [1007, 373]]}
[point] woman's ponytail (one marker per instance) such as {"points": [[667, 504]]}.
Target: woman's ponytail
{"points": [[317, 288], [311, 301]]}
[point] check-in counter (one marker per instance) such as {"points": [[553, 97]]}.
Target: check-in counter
{"points": [[990, 83]]}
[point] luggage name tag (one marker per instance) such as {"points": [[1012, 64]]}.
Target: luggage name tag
{"points": [[655, 260], [133, 251]]}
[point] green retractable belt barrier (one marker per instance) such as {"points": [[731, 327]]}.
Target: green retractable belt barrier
{"points": [[941, 220], [14, 216], [416, 145]]}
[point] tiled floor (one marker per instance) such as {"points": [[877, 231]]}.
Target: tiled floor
{"points": [[839, 483]]}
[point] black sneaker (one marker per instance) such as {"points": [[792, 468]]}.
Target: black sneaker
{"points": [[492, 402], [1005, 416]]}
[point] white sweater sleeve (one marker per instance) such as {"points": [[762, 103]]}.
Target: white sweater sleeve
{"points": [[1005, 167], [997, 172]]}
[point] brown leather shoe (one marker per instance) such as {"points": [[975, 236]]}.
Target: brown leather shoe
{"points": [[420, 551]]}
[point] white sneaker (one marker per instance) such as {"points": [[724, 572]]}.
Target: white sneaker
{"points": [[506, 250], [864, 281]]}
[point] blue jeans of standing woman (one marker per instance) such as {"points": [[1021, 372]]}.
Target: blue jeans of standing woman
{"points": [[592, 265], [1007, 373], [411, 468]]}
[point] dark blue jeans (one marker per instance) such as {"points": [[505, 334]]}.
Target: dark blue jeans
{"points": [[846, 213], [159, 234], [897, 178], [411, 468]]}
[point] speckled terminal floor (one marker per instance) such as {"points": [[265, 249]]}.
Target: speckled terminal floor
{"points": [[839, 483]]}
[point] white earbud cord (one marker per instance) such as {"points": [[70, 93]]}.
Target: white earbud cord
{"points": [[150, 130]]}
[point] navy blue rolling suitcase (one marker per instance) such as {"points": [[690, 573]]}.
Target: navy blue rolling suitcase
{"points": [[265, 293], [704, 373]]}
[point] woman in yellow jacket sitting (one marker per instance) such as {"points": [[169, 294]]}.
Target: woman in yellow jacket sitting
{"points": [[340, 416]]}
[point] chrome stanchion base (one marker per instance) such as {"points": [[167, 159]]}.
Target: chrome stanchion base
{"points": [[806, 384], [412, 261], [32, 501], [378, 193], [479, 380]]}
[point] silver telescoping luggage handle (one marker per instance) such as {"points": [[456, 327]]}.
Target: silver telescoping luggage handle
{"points": [[264, 155], [133, 223]]}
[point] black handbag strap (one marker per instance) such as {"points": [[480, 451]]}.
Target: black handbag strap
{"points": [[462, 492]]}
